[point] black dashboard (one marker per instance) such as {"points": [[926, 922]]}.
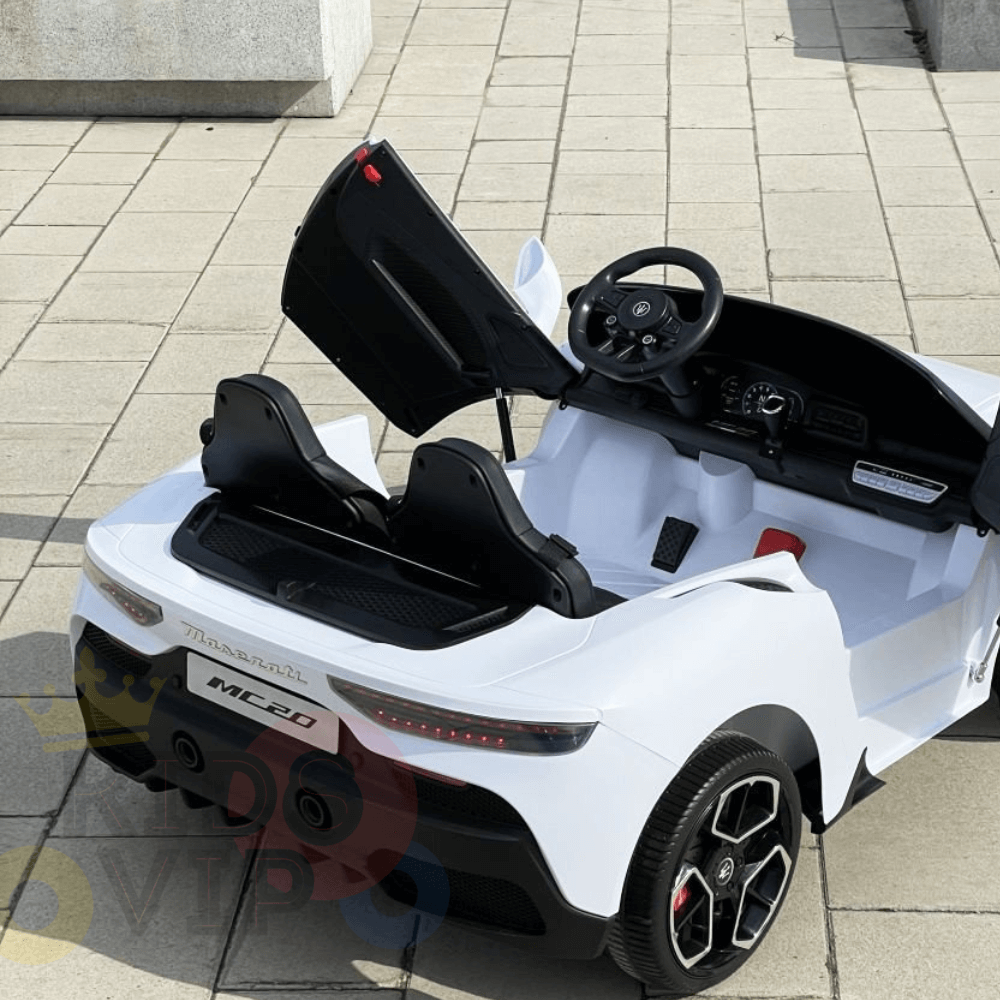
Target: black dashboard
{"points": [[851, 418]]}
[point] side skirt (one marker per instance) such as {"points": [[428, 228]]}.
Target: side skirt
{"points": [[863, 784], [982, 725]]}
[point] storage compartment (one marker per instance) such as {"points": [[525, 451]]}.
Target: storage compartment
{"points": [[336, 579]]}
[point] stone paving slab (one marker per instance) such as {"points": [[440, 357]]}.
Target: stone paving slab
{"points": [[936, 865], [151, 929], [35, 782], [799, 143], [293, 994], [455, 965], [312, 945], [16, 834], [34, 647], [103, 804], [883, 956]]}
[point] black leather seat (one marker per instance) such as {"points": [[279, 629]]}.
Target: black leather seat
{"points": [[460, 514], [260, 449]]}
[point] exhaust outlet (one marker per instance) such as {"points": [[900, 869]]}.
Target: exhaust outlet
{"points": [[188, 753], [313, 810]]}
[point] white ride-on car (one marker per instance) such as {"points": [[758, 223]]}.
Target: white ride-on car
{"points": [[751, 562]]}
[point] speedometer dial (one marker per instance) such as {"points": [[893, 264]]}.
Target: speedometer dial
{"points": [[754, 396]]}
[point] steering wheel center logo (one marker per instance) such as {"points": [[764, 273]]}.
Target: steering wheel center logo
{"points": [[641, 309]]}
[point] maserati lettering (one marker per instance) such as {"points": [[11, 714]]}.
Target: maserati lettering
{"points": [[284, 671]]}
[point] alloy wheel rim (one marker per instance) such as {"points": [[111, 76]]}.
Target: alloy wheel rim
{"points": [[733, 875]]}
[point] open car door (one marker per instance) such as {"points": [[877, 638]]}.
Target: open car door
{"points": [[985, 494], [386, 287]]}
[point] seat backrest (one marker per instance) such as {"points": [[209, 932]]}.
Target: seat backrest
{"points": [[262, 450], [460, 514]]}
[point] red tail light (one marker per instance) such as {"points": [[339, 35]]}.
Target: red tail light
{"points": [[457, 727]]}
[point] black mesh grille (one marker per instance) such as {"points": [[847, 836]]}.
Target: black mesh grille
{"points": [[99, 722], [280, 566], [235, 541], [132, 758], [478, 898], [468, 802], [379, 597], [121, 656]]}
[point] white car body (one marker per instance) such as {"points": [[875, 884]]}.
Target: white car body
{"points": [[831, 652], [880, 637]]}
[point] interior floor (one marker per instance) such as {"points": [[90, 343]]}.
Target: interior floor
{"points": [[609, 488]]}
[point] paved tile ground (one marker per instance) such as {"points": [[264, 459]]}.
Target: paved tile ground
{"points": [[798, 143]]}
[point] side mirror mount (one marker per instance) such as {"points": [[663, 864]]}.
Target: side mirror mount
{"points": [[537, 285]]}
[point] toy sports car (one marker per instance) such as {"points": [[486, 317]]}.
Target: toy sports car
{"points": [[751, 562]]}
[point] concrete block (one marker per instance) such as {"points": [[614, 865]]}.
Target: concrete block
{"points": [[962, 34], [170, 57]]}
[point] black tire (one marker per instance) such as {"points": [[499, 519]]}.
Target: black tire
{"points": [[711, 869]]}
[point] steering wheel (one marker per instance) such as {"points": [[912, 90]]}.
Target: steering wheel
{"points": [[642, 334]]}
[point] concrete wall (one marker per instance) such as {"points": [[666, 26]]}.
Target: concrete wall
{"points": [[962, 34], [304, 53]]}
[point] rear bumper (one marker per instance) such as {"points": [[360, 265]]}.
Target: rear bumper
{"points": [[498, 880]]}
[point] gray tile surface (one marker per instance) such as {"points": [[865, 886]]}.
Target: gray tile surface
{"points": [[881, 956], [935, 866], [34, 648], [234, 298], [20, 838], [456, 965], [38, 459], [309, 945], [122, 297], [35, 782], [84, 392], [149, 930]]}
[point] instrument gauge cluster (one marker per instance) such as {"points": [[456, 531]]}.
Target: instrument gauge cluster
{"points": [[744, 396]]}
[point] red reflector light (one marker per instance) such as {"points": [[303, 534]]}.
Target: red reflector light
{"points": [[681, 899], [361, 155], [371, 174], [776, 540], [447, 726]]}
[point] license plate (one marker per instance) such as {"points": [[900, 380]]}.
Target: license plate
{"points": [[255, 699]]}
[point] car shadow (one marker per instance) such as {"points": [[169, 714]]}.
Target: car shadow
{"points": [[43, 528]]}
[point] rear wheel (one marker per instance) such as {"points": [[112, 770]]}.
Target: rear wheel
{"points": [[711, 868]]}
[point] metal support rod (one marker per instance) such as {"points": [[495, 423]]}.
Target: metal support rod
{"points": [[506, 431]]}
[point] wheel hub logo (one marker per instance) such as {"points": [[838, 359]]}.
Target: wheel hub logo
{"points": [[725, 872]]}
